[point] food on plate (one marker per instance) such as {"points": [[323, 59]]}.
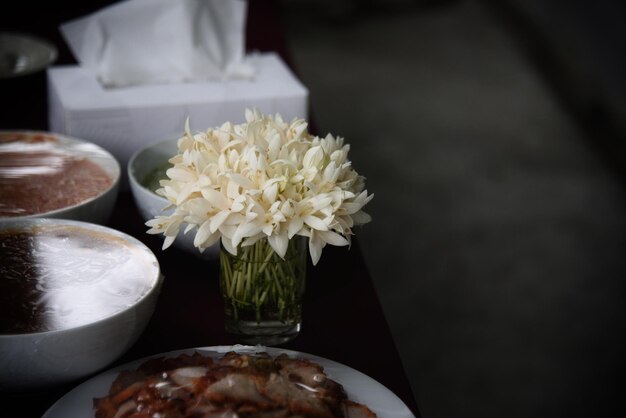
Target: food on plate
{"points": [[38, 175], [234, 385]]}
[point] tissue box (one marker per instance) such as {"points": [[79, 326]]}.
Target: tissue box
{"points": [[124, 120]]}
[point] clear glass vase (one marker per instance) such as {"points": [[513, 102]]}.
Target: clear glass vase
{"points": [[263, 292]]}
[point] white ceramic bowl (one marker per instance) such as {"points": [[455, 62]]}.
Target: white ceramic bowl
{"points": [[74, 297], [55, 151], [142, 167], [22, 54]]}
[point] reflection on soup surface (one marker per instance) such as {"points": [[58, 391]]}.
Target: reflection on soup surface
{"points": [[60, 276]]}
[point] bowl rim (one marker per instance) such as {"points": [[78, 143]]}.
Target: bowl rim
{"points": [[133, 161], [34, 41], [66, 139], [155, 286]]}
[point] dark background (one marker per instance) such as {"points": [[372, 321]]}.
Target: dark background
{"points": [[492, 134]]}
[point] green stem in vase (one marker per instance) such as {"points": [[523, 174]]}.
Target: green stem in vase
{"points": [[258, 283]]}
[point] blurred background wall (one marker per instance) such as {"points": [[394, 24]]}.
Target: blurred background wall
{"points": [[492, 135]]}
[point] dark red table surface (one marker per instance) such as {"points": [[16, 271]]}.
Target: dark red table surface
{"points": [[343, 319]]}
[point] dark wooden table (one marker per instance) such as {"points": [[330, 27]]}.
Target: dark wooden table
{"points": [[343, 319]]}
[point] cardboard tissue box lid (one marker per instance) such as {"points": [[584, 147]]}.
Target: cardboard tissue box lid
{"points": [[124, 120]]}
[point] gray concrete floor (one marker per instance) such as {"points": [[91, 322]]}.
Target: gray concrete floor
{"points": [[498, 236]]}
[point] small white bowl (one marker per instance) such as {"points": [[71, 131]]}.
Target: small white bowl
{"points": [[22, 54], [62, 151], [74, 297], [142, 167]]}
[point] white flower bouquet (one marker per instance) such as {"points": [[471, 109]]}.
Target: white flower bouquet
{"points": [[267, 189], [263, 179]]}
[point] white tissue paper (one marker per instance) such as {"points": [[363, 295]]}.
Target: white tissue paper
{"points": [[145, 66], [138, 42], [123, 120]]}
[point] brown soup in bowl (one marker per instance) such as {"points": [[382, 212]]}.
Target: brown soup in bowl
{"points": [[41, 173]]}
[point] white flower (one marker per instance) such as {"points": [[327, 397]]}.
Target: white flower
{"points": [[264, 178]]}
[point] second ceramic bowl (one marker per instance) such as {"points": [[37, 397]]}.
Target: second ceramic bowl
{"points": [[145, 168], [48, 175]]}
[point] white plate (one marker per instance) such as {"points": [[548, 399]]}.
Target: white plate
{"points": [[358, 386]]}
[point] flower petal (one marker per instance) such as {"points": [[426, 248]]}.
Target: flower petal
{"points": [[313, 157], [315, 247], [167, 242], [212, 240], [215, 198], [295, 225], [180, 174], [315, 223], [332, 238], [227, 244], [202, 234], [279, 242], [270, 193], [361, 218], [218, 219], [241, 181], [245, 230]]}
